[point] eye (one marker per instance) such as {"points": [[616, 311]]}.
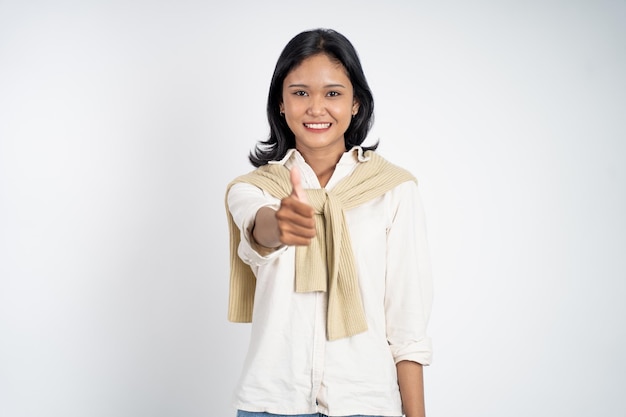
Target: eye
{"points": [[333, 94], [300, 93]]}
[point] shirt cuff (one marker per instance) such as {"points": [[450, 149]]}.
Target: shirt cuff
{"points": [[418, 351]]}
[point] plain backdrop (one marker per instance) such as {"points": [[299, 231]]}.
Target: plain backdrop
{"points": [[121, 122]]}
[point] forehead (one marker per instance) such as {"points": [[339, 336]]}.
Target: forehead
{"points": [[318, 66]]}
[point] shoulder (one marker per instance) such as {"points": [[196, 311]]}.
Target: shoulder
{"points": [[386, 168]]}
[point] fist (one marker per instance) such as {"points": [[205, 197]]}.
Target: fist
{"points": [[296, 221]]}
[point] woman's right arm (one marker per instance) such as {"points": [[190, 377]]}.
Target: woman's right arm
{"points": [[267, 223]]}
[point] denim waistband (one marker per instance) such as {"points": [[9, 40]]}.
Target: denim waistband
{"points": [[242, 413]]}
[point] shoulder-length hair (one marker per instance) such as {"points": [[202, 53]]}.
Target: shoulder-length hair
{"points": [[304, 45]]}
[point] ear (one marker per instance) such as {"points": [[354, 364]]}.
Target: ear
{"points": [[281, 108], [355, 108]]}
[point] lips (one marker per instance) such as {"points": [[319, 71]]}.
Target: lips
{"points": [[317, 125]]}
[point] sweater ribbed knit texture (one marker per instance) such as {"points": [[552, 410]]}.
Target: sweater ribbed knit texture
{"points": [[327, 264]]}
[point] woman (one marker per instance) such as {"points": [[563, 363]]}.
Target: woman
{"points": [[328, 251]]}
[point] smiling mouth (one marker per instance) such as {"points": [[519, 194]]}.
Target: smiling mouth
{"points": [[317, 125]]}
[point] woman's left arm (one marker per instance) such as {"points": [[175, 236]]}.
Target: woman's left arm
{"points": [[408, 295]]}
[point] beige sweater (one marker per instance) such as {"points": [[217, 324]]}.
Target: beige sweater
{"points": [[327, 264]]}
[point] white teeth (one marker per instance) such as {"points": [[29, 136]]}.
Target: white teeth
{"points": [[317, 125]]}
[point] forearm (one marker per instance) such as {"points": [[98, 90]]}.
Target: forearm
{"points": [[265, 231], [411, 382]]}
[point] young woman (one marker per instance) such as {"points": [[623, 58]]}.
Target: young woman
{"points": [[329, 258]]}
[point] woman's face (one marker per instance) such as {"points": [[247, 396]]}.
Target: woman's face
{"points": [[318, 102]]}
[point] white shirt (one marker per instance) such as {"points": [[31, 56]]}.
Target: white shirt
{"points": [[290, 367]]}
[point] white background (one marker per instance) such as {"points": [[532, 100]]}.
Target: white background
{"points": [[121, 123]]}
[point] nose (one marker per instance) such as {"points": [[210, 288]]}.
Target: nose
{"points": [[316, 106]]}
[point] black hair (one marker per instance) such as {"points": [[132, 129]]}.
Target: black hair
{"points": [[302, 46]]}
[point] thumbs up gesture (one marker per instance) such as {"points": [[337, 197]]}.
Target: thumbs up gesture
{"points": [[296, 185], [296, 222]]}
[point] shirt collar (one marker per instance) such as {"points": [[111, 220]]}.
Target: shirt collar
{"points": [[347, 158]]}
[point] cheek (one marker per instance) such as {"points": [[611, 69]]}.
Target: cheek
{"points": [[292, 123], [294, 107], [344, 112]]}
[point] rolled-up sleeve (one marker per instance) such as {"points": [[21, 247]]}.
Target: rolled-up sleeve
{"points": [[244, 200], [408, 292]]}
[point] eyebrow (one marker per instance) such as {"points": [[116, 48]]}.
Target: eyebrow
{"points": [[326, 86]]}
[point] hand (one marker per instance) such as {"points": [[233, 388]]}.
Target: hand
{"points": [[296, 221]]}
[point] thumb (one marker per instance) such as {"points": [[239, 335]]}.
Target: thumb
{"points": [[296, 184]]}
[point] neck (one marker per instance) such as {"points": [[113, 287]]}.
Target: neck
{"points": [[322, 163]]}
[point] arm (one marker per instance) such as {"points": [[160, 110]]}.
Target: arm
{"points": [[411, 382], [408, 296], [265, 231]]}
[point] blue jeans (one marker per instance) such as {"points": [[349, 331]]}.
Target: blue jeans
{"points": [[241, 413]]}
